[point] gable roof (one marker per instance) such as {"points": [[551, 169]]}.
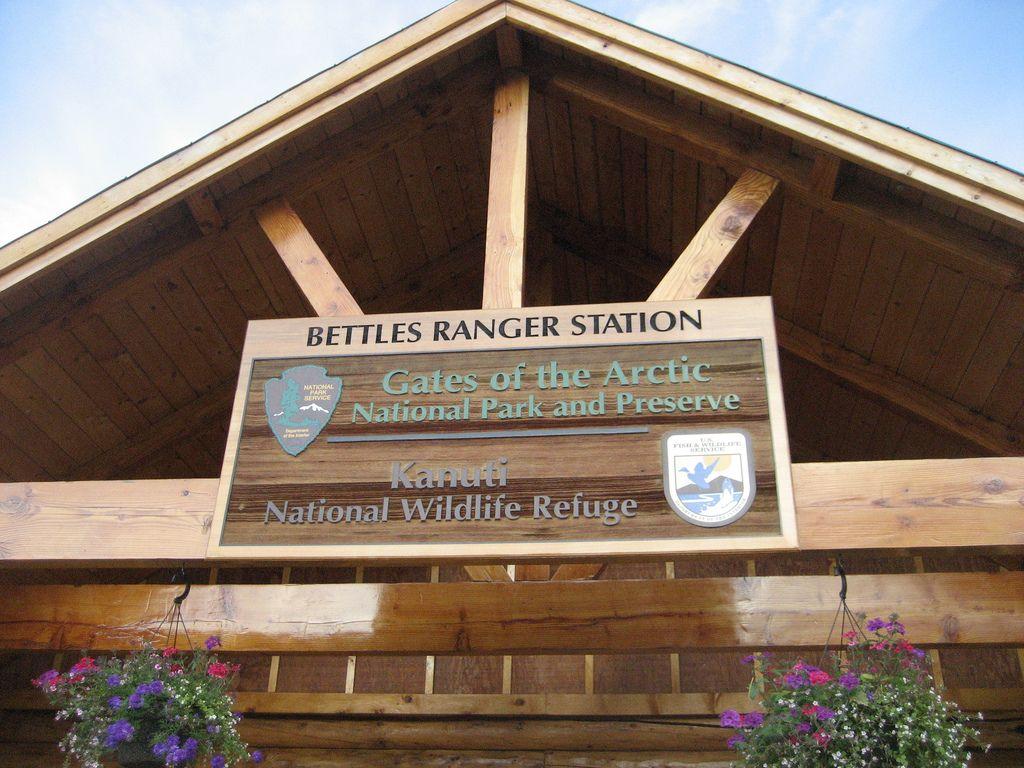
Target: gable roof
{"points": [[848, 134]]}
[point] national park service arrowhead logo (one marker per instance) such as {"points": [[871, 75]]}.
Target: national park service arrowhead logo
{"points": [[299, 405], [709, 476]]}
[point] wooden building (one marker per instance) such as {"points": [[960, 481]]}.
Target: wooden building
{"points": [[503, 154]]}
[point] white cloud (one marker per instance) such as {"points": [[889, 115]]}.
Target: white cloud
{"points": [[130, 81]]}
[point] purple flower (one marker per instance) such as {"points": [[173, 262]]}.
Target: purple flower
{"points": [[154, 686], [731, 719], [115, 702], [803, 728], [824, 713], [919, 653], [218, 761], [46, 678], [748, 659], [135, 701], [120, 731], [213, 729], [162, 748], [794, 680], [875, 624], [114, 680], [212, 642], [257, 756], [849, 680], [752, 720], [736, 738], [190, 748]]}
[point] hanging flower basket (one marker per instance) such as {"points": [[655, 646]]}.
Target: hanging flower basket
{"points": [[152, 708], [872, 703]]}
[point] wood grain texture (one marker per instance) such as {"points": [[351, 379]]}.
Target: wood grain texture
{"points": [[951, 242], [613, 467], [840, 506], [300, 253], [506, 199], [109, 520], [906, 395], [739, 350], [520, 705], [931, 503], [698, 267], [528, 617], [899, 153]]}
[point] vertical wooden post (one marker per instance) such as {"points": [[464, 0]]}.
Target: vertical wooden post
{"points": [[350, 672], [506, 197]]}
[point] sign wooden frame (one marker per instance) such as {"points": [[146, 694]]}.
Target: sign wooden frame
{"points": [[720, 320]]}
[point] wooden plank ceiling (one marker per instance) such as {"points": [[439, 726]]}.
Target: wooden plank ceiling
{"points": [[120, 362]]}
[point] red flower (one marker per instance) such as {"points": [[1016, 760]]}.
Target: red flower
{"points": [[818, 677], [821, 737], [168, 652], [84, 664], [175, 669], [218, 669]]}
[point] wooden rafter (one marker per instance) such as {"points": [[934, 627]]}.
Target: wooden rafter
{"points": [[169, 431], [859, 505], [506, 198], [541, 617], [311, 269], [898, 391], [200, 162], [808, 118], [950, 242], [204, 211], [696, 270], [874, 380]]}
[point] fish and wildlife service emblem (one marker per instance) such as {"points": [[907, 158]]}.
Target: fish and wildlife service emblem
{"points": [[299, 404], [709, 476]]}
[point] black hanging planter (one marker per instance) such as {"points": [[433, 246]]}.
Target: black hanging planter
{"points": [[137, 754]]}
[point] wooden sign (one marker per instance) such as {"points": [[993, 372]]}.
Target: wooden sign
{"points": [[564, 432]]}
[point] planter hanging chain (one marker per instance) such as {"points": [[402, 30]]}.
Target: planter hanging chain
{"points": [[173, 618], [843, 615]]}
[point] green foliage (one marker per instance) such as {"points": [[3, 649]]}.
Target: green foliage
{"points": [[175, 704], [872, 704]]}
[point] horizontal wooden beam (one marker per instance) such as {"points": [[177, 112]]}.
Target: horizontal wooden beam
{"points": [[899, 391], [528, 617], [47, 756], [519, 704], [840, 506], [106, 520], [696, 270]]}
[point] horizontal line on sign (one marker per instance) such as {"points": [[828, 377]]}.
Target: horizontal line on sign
{"points": [[493, 433]]}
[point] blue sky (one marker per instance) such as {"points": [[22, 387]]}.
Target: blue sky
{"points": [[93, 90]]}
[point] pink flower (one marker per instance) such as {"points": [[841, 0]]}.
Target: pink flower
{"points": [[819, 677], [218, 669], [168, 652]]}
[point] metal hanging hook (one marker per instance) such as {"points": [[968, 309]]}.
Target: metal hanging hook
{"points": [[181, 575], [841, 573]]}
